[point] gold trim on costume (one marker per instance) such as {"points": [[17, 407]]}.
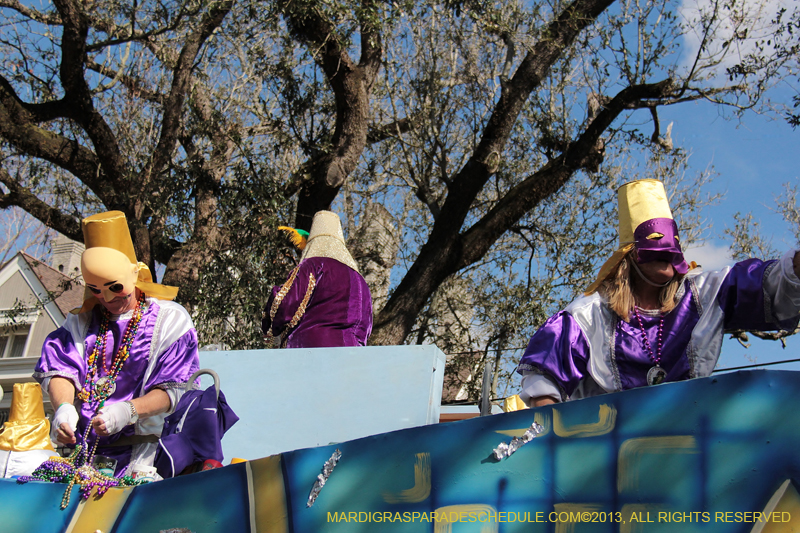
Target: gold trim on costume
{"points": [[282, 293], [301, 309]]}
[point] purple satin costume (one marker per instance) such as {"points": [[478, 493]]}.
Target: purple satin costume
{"points": [[339, 312], [586, 349], [167, 366]]}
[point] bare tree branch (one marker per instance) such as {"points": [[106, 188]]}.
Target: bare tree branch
{"points": [[170, 123], [585, 152], [49, 216], [386, 131], [38, 16], [351, 85], [78, 96], [17, 128], [133, 85], [441, 254]]}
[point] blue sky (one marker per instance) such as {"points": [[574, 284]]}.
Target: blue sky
{"points": [[753, 159]]}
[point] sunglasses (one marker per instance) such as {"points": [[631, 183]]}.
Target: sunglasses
{"points": [[115, 288]]}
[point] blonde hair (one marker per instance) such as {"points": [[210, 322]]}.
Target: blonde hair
{"points": [[618, 291]]}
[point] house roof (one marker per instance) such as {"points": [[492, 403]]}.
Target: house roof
{"points": [[68, 291]]}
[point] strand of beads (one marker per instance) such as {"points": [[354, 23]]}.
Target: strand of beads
{"points": [[70, 470], [77, 469], [91, 364], [98, 389], [655, 357], [53, 470], [656, 374], [100, 341]]}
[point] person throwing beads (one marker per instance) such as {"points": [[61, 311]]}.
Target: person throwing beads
{"points": [[120, 363], [650, 317]]}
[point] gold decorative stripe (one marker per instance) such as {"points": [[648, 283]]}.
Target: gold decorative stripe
{"points": [[269, 512], [301, 309], [282, 293], [99, 514]]}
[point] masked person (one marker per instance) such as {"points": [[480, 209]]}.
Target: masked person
{"points": [[324, 302], [120, 363], [650, 317]]}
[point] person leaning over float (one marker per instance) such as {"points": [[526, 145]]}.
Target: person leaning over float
{"points": [[325, 301], [123, 358], [650, 317]]}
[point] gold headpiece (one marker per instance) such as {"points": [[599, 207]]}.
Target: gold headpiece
{"points": [[110, 230], [640, 202], [326, 239]]}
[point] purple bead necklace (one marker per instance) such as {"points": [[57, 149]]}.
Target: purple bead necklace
{"points": [[656, 374], [77, 469]]}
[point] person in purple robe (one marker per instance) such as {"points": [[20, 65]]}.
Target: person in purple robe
{"points": [[650, 317], [120, 363], [325, 301]]}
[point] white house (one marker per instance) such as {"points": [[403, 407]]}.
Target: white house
{"points": [[34, 300]]}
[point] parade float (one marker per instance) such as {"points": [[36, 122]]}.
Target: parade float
{"points": [[717, 454]]}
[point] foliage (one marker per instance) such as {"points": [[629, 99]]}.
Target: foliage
{"points": [[746, 235], [748, 241], [776, 47], [481, 141]]}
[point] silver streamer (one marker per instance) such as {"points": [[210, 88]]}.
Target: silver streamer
{"points": [[327, 468], [506, 449]]}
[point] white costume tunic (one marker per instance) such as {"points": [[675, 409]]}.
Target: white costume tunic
{"points": [[162, 356], [586, 349]]}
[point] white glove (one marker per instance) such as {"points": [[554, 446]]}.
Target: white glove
{"points": [[115, 417], [65, 414]]}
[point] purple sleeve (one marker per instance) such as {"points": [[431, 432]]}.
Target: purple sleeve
{"points": [[176, 364], [558, 350], [291, 301], [744, 301], [60, 358]]}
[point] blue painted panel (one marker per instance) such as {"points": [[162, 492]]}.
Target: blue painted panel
{"points": [[215, 501], [34, 507], [645, 456], [667, 451], [301, 398]]}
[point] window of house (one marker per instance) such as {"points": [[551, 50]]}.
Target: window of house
{"points": [[13, 341]]}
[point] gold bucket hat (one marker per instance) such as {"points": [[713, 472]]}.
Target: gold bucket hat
{"points": [[110, 230], [27, 428], [645, 223], [326, 239]]}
